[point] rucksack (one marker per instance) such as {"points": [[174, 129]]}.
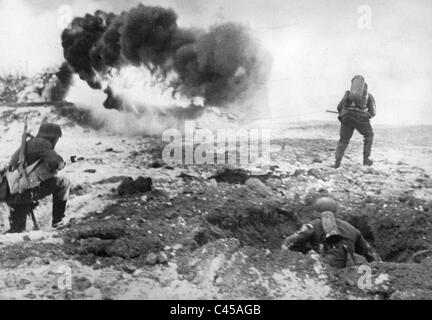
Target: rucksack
{"points": [[356, 96], [335, 244]]}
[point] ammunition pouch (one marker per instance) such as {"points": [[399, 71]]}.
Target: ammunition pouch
{"points": [[34, 175]]}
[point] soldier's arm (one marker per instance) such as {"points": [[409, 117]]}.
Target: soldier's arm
{"points": [[299, 238], [371, 106], [341, 104], [51, 158]]}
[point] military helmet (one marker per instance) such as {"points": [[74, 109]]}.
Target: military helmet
{"points": [[329, 225], [50, 130], [326, 204]]}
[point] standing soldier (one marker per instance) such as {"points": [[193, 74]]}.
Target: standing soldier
{"points": [[355, 111], [32, 176]]}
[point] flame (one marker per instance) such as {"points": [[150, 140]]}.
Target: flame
{"points": [[140, 89]]}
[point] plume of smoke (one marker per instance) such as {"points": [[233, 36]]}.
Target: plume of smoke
{"points": [[221, 66], [63, 81], [107, 51], [151, 121], [80, 39], [147, 36]]}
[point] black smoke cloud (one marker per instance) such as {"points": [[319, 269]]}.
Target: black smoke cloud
{"points": [[63, 81], [222, 65], [81, 39]]}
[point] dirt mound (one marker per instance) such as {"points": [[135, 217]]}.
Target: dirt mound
{"points": [[136, 227], [130, 186], [398, 230], [390, 281]]}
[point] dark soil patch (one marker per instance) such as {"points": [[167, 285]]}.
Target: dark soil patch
{"points": [[133, 228], [130, 186], [397, 230]]}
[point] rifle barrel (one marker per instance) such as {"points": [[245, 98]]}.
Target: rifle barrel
{"points": [[35, 104]]}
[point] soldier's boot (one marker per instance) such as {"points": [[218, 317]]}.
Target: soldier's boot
{"points": [[60, 197], [18, 217], [58, 212], [367, 150], [340, 151]]}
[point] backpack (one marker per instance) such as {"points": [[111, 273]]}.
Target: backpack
{"points": [[335, 245], [356, 94]]}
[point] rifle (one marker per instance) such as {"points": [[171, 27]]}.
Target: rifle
{"points": [[369, 115], [21, 167]]}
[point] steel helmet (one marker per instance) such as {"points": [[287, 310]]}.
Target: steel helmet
{"points": [[50, 130], [326, 204]]}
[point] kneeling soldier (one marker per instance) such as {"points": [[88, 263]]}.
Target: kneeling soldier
{"points": [[32, 176]]}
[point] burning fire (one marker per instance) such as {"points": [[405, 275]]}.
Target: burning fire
{"points": [[139, 91]]}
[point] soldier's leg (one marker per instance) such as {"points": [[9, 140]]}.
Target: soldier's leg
{"points": [[18, 216], [362, 247], [59, 188], [346, 133], [60, 198], [366, 130]]}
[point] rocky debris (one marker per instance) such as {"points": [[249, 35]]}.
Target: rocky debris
{"points": [[78, 190], [162, 258], [389, 280], [156, 164], [298, 173], [112, 150], [81, 283], [22, 284], [257, 186], [316, 173], [414, 294], [317, 159], [130, 186], [75, 159], [152, 259]]}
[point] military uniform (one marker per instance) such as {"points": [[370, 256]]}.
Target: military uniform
{"points": [[345, 250], [356, 116], [40, 149]]}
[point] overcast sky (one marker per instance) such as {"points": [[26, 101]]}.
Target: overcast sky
{"points": [[317, 46]]}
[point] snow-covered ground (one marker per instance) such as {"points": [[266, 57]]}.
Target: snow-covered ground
{"points": [[107, 157]]}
